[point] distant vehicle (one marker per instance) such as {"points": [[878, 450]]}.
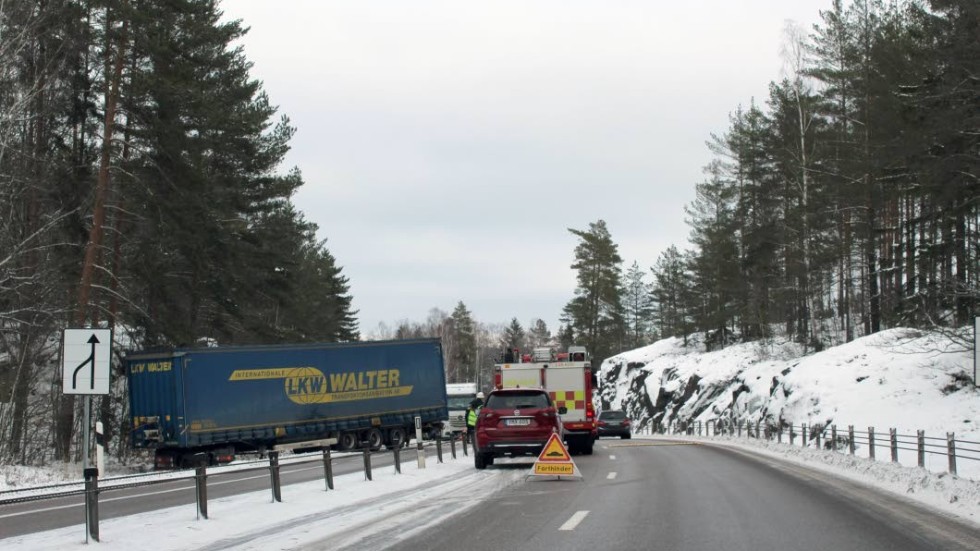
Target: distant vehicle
{"points": [[205, 405], [614, 423], [458, 398], [569, 380], [514, 421]]}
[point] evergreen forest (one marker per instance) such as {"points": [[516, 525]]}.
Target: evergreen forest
{"points": [[844, 203], [143, 189]]}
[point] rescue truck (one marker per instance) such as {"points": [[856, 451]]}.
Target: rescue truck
{"points": [[568, 378]]}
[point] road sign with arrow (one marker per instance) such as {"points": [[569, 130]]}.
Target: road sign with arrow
{"points": [[86, 361]]}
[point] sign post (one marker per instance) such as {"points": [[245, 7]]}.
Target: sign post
{"points": [[976, 350], [85, 365]]}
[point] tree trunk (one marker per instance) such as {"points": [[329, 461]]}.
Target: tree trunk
{"points": [[66, 410]]}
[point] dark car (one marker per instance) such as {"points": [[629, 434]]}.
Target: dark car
{"points": [[515, 421], [614, 423]]}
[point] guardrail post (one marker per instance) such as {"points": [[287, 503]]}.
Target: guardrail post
{"points": [[850, 438], [871, 442], [739, 428], [452, 445], [792, 435], [833, 437], [779, 433], [91, 503], [758, 428], [466, 441], [418, 439], [699, 428], [274, 474], [921, 438], [893, 437], [951, 451], [327, 468], [366, 453], [439, 446], [201, 485], [804, 435], [398, 459]]}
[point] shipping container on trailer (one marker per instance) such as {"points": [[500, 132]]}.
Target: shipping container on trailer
{"points": [[207, 404]]}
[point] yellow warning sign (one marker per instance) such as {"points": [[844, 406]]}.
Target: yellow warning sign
{"points": [[554, 460], [566, 469], [554, 450]]}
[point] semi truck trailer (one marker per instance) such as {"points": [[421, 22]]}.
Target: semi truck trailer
{"points": [[209, 404]]}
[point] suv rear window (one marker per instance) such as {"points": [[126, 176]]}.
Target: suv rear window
{"points": [[523, 400], [612, 415]]}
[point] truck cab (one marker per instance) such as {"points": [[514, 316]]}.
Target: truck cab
{"points": [[458, 398]]}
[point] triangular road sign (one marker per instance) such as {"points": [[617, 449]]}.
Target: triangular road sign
{"points": [[554, 450], [554, 460]]}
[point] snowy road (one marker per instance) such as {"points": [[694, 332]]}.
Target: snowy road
{"points": [[639, 494]]}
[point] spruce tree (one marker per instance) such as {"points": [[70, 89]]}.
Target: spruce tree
{"points": [[463, 359], [514, 337], [538, 335]]}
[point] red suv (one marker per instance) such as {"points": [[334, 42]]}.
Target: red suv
{"points": [[515, 421]]}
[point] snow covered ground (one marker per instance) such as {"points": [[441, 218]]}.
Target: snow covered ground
{"points": [[899, 378]]}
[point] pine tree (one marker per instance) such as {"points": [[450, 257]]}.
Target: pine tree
{"points": [[596, 314], [670, 291], [638, 308]]}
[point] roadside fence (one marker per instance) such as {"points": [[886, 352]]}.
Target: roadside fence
{"points": [[825, 437], [92, 487]]}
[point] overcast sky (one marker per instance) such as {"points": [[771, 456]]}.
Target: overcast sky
{"points": [[447, 146]]}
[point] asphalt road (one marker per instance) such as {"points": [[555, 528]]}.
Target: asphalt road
{"points": [[634, 494], [660, 495]]}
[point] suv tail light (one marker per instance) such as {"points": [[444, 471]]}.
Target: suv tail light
{"points": [[626, 422], [589, 411]]}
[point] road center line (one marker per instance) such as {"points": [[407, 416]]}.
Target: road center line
{"points": [[571, 523], [611, 475], [612, 457]]}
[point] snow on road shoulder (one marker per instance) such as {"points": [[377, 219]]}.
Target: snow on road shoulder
{"points": [[355, 510]]}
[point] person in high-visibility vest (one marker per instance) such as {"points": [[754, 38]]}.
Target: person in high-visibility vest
{"points": [[472, 412]]}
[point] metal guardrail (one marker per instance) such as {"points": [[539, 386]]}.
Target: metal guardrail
{"points": [[830, 438], [93, 487]]}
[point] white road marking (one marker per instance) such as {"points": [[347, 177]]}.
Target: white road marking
{"points": [[612, 457], [611, 475], [571, 523]]}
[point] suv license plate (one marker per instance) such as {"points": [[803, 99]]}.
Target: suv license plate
{"points": [[517, 422]]}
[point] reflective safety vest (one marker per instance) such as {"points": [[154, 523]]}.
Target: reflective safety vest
{"points": [[471, 417]]}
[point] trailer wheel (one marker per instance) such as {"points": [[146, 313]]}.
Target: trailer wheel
{"points": [[375, 439], [347, 441], [396, 438]]}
